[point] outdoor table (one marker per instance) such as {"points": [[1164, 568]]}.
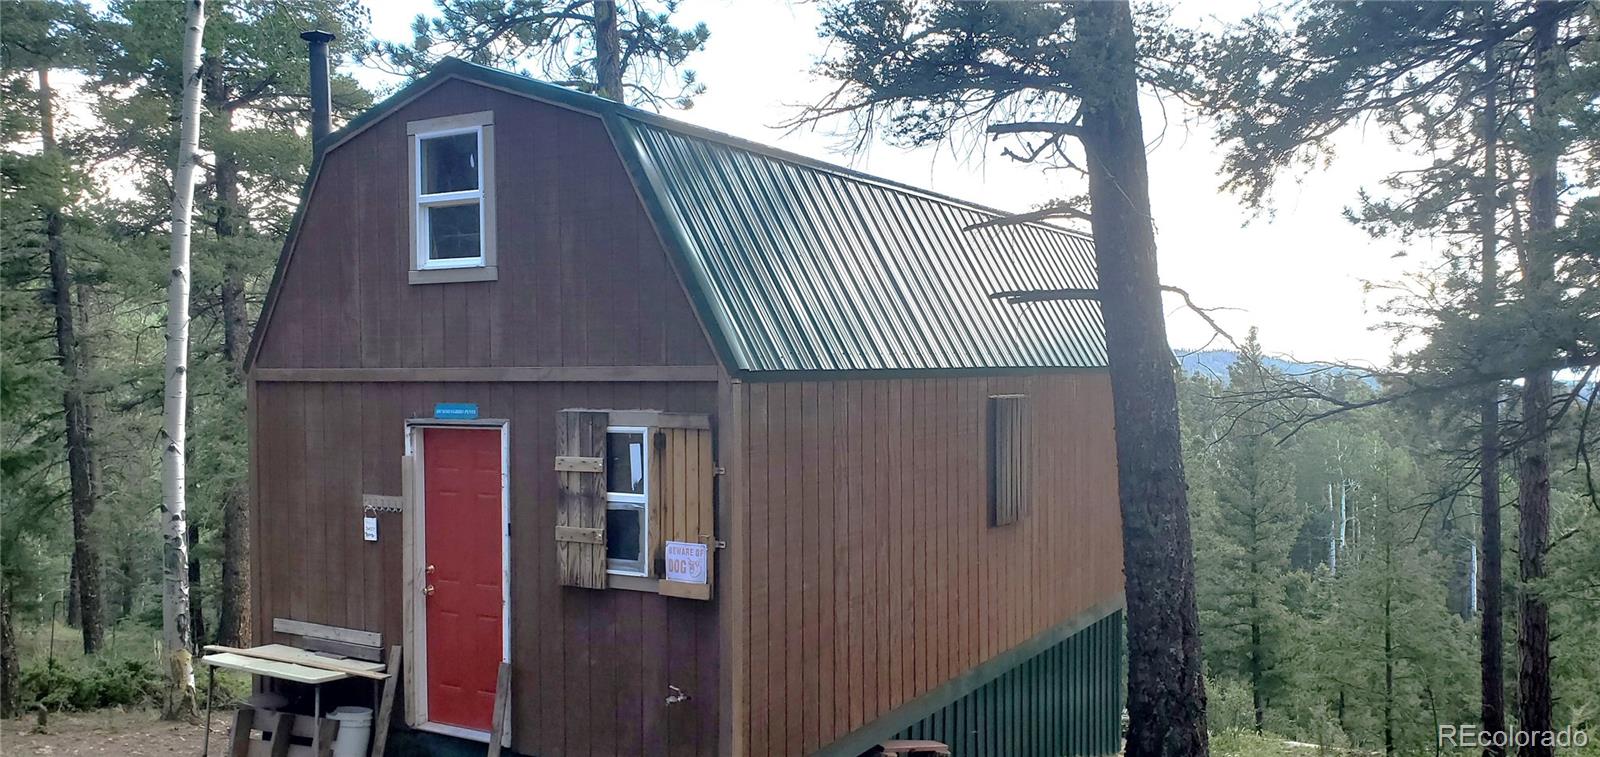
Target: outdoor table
{"points": [[286, 663]]}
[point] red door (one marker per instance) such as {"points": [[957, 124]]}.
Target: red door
{"points": [[462, 549]]}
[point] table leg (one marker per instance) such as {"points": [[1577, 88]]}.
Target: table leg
{"points": [[316, 718], [211, 686]]}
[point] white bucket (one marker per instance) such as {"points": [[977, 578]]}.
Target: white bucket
{"points": [[355, 731]]}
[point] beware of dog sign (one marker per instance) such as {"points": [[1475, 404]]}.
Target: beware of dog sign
{"points": [[686, 562]]}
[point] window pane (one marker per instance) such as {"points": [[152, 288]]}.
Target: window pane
{"points": [[450, 164], [453, 232], [625, 463], [623, 540]]}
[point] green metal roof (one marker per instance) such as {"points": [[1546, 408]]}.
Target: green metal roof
{"points": [[802, 266], [799, 266]]}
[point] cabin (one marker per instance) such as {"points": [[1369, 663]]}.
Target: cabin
{"points": [[725, 450]]}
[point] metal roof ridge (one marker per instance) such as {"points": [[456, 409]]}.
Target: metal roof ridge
{"points": [[600, 106], [696, 131]]}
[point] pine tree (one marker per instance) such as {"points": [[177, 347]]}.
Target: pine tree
{"points": [[1449, 79], [38, 36], [1053, 75], [623, 50], [1391, 649], [1243, 557], [254, 128], [252, 66], [1572, 590], [1351, 665], [1535, 710], [1491, 634], [30, 380]]}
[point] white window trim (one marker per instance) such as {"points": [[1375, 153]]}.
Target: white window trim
{"points": [[484, 267], [640, 502], [422, 202]]}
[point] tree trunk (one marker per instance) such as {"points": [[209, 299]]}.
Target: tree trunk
{"points": [[1491, 652], [1344, 508], [233, 597], [179, 701], [1388, 671], [126, 585], [607, 51], [1257, 669], [74, 620], [1433, 710], [1533, 473], [197, 612], [226, 187], [82, 473], [1166, 694], [1339, 710], [1257, 659], [233, 605], [10, 668], [1333, 535]]}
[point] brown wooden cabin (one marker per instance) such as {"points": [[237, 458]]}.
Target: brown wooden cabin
{"points": [[539, 336]]}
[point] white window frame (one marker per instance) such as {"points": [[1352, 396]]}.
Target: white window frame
{"points": [[422, 202], [451, 271], [630, 501]]}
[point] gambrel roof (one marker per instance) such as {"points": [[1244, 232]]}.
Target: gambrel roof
{"points": [[799, 266]]}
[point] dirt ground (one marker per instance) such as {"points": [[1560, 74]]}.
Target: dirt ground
{"points": [[137, 733]]}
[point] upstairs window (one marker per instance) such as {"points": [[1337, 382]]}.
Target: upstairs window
{"points": [[452, 197]]}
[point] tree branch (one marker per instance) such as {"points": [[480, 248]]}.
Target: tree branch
{"points": [[1030, 127], [1017, 219]]}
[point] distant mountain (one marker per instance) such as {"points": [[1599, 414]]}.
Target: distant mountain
{"points": [[1215, 363]]}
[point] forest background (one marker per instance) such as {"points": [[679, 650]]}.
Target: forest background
{"points": [[1338, 508]]}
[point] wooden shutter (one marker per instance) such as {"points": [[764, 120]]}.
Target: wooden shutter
{"points": [[581, 512], [1010, 459], [685, 475]]}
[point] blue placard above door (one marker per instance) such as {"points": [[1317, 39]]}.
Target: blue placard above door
{"points": [[455, 411]]}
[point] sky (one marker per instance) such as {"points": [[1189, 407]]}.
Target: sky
{"points": [[1299, 274]]}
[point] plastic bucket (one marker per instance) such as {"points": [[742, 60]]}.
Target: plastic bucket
{"points": [[355, 731]]}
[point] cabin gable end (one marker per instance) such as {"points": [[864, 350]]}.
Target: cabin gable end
{"points": [[575, 274]]}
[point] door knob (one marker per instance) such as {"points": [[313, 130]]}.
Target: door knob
{"points": [[430, 569], [428, 590]]}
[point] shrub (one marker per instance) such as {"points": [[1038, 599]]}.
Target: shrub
{"points": [[90, 684], [1229, 706]]}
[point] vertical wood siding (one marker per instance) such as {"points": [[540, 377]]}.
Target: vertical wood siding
{"points": [[873, 576], [583, 280], [592, 669]]}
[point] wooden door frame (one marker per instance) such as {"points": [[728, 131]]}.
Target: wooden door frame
{"points": [[416, 620]]}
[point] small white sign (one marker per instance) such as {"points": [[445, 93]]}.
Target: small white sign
{"points": [[686, 562], [369, 528]]}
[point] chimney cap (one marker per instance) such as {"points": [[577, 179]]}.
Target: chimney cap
{"points": [[317, 35]]}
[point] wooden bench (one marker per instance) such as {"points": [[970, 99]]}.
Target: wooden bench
{"points": [[356, 644], [360, 645], [911, 747], [361, 649]]}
